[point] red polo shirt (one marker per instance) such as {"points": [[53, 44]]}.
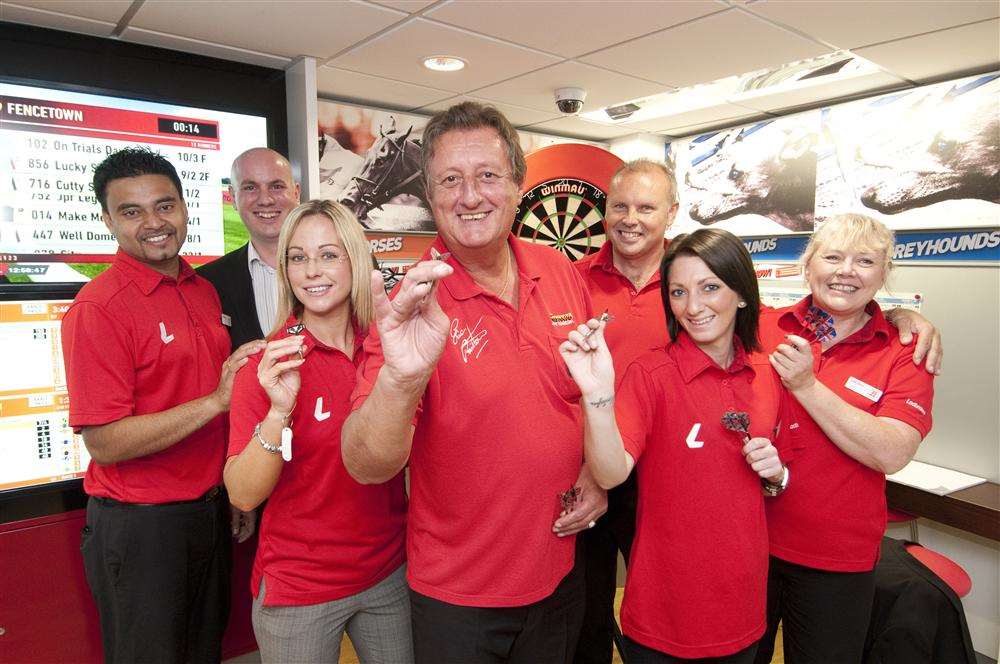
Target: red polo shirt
{"points": [[323, 535], [832, 516], [498, 437], [639, 324], [137, 342], [697, 577]]}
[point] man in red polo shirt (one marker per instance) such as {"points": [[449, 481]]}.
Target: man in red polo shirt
{"points": [[624, 279], [463, 381], [149, 377]]}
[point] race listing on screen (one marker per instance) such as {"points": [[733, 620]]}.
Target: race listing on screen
{"points": [[51, 140], [37, 445]]}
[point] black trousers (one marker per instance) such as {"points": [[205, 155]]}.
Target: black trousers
{"points": [[824, 615], [614, 532], [640, 654], [160, 577], [541, 633]]}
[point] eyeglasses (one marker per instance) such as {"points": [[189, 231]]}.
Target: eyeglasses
{"points": [[327, 258], [484, 180]]}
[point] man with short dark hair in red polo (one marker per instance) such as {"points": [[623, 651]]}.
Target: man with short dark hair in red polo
{"points": [[463, 382], [149, 377], [624, 279]]}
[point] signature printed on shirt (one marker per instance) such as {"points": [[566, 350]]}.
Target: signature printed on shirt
{"points": [[471, 341]]}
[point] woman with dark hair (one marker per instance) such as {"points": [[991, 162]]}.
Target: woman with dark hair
{"points": [[697, 419], [331, 550], [860, 409]]}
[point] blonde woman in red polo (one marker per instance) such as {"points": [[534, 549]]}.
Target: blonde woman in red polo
{"points": [[861, 407], [331, 550]]}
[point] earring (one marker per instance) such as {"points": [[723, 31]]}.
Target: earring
{"points": [[741, 305]]}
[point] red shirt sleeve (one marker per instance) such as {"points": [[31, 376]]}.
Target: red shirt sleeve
{"points": [[249, 405], [909, 395], [100, 366], [634, 409]]}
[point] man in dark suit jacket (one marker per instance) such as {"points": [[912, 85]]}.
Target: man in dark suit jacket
{"points": [[264, 191]]}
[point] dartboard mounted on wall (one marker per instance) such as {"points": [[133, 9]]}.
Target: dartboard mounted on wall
{"points": [[563, 201]]}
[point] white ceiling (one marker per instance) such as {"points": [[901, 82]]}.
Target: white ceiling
{"points": [[518, 52]]}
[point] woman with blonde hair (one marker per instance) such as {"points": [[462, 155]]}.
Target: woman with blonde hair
{"points": [[331, 551], [860, 409]]}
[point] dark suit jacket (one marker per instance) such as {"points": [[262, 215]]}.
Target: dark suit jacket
{"points": [[231, 277], [916, 617]]}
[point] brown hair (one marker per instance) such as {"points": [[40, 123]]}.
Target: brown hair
{"points": [[728, 258], [465, 117], [358, 251]]}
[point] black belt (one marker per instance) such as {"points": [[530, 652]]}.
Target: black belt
{"points": [[212, 494]]}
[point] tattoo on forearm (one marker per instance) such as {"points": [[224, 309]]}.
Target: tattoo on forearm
{"points": [[602, 402]]}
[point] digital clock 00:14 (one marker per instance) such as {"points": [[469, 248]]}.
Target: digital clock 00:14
{"points": [[187, 128]]}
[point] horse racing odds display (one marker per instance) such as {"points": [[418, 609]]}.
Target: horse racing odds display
{"points": [[50, 140], [37, 445]]}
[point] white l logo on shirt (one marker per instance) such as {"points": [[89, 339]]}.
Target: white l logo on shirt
{"points": [[318, 413], [692, 439], [166, 338]]}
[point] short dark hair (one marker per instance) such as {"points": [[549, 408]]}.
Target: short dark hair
{"points": [[131, 163], [728, 258], [467, 116]]}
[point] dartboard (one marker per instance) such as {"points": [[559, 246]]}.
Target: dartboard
{"points": [[566, 214]]}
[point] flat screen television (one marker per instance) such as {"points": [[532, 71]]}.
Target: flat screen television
{"points": [[65, 101]]}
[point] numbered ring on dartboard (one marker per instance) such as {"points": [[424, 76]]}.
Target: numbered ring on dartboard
{"points": [[565, 214]]}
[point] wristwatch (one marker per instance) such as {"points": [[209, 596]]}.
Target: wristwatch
{"points": [[772, 490]]}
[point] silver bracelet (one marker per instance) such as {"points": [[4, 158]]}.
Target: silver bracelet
{"points": [[273, 449]]}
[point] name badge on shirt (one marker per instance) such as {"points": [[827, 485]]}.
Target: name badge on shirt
{"points": [[863, 388], [227, 320]]}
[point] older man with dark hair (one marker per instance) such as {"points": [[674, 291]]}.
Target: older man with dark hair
{"points": [[464, 382]]}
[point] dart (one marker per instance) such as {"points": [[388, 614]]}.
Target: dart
{"points": [[737, 421], [606, 317]]}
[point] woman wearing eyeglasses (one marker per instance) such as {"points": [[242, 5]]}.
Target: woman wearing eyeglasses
{"points": [[331, 551]]}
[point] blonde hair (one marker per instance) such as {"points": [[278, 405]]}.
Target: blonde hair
{"points": [[358, 252], [648, 166], [852, 231]]}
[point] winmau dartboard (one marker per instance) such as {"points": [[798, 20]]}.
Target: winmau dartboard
{"points": [[563, 201]]}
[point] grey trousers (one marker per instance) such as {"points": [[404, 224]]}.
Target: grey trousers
{"points": [[377, 620]]}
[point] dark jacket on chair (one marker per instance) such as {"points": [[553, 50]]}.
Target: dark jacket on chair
{"points": [[916, 617], [231, 277]]}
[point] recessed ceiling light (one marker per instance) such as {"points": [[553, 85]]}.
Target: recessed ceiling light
{"points": [[444, 63]]}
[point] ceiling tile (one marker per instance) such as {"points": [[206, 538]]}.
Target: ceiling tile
{"points": [[212, 50], [409, 6], [109, 11], [399, 54], [851, 24], [362, 88], [574, 126], [517, 115], [720, 45], [46, 19], [767, 99], [568, 27], [289, 28], [945, 53], [603, 87]]}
